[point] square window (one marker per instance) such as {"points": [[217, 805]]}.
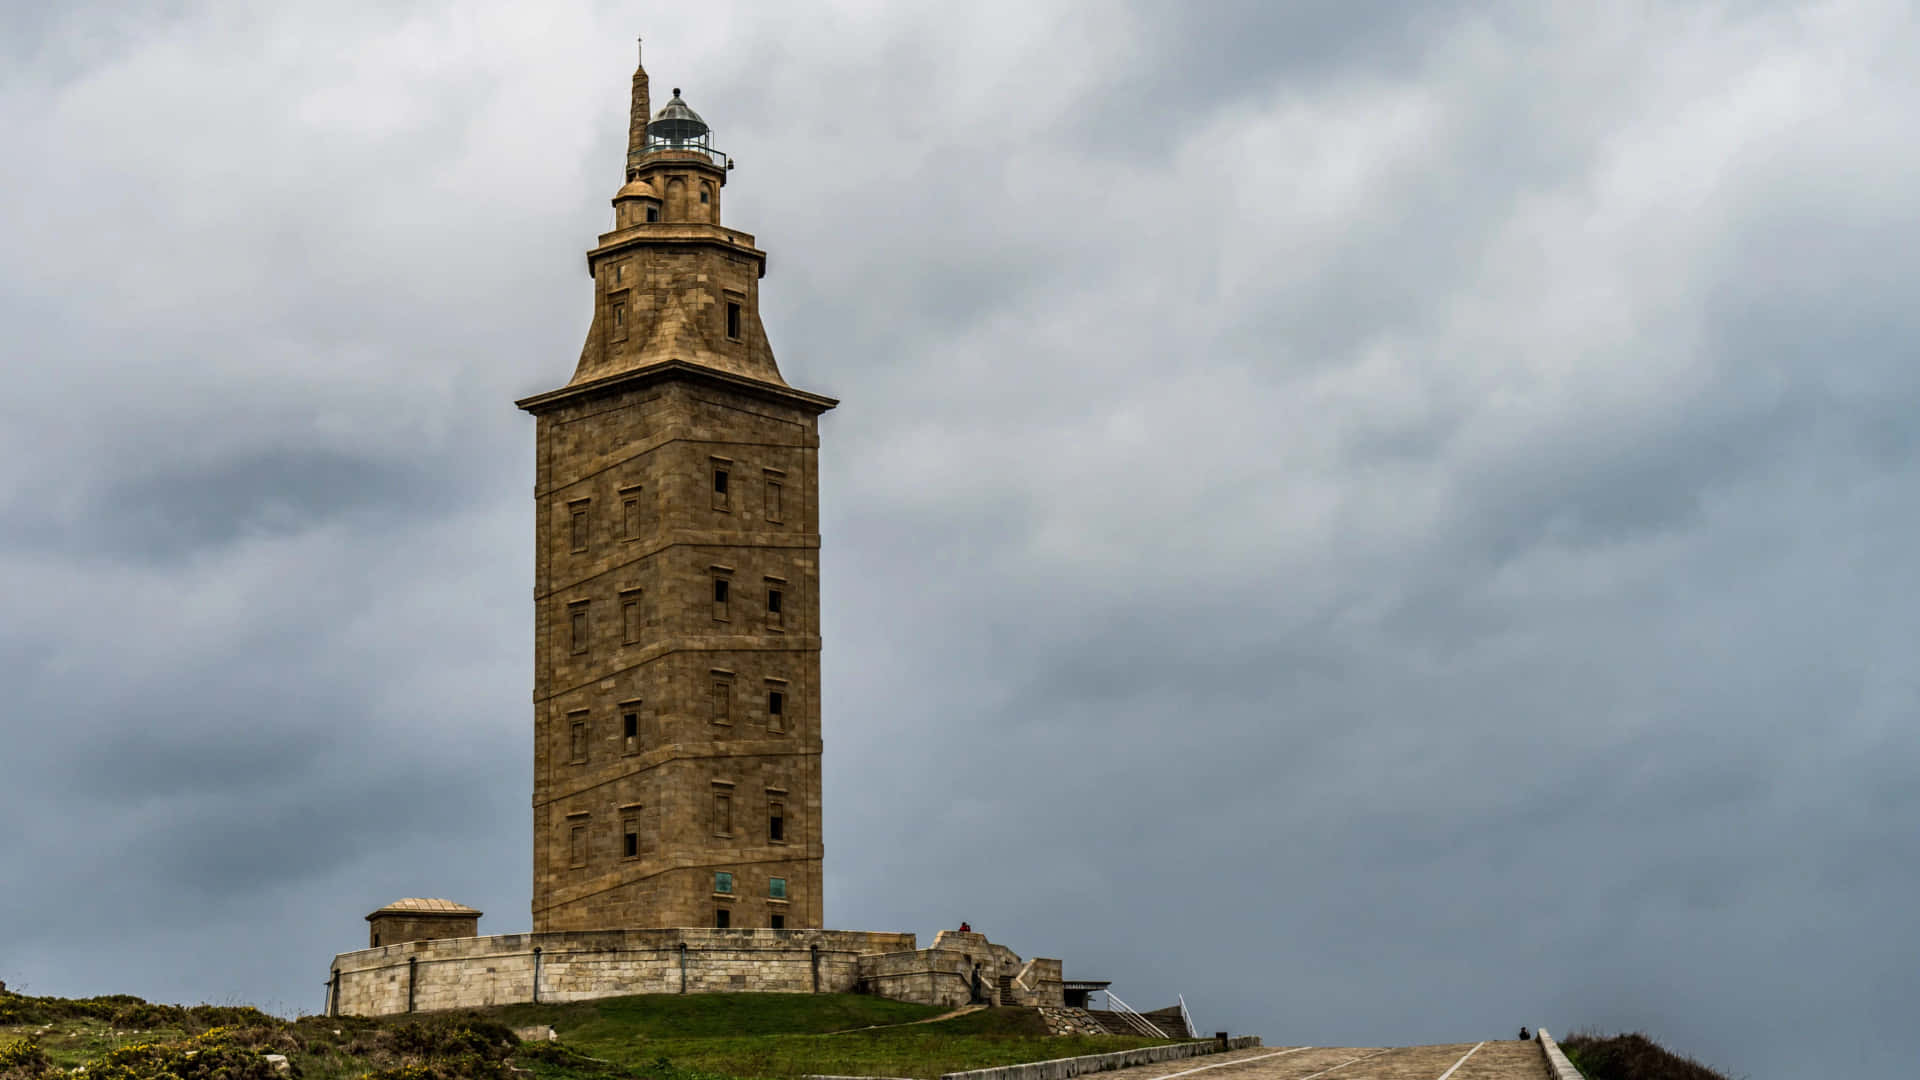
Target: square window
{"points": [[722, 918], [733, 321], [773, 501], [577, 735], [722, 882], [722, 813], [630, 621], [779, 921], [777, 888]]}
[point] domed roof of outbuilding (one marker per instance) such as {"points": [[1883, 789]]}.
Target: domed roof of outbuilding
{"points": [[635, 189], [420, 905], [676, 120]]}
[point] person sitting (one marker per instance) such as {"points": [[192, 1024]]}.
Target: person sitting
{"points": [[965, 929], [1523, 1034]]}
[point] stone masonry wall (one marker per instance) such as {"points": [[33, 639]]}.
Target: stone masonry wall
{"points": [[1039, 983], [394, 928], [578, 965], [928, 976], [632, 542]]}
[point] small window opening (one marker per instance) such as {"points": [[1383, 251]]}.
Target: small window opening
{"points": [[722, 701], [630, 837], [630, 514], [777, 831], [773, 501], [720, 488], [722, 918], [720, 599], [733, 322], [722, 881], [579, 522], [630, 728], [777, 888], [779, 922], [704, 196], [577, 845], [577, 623], [773, 607], [630, 621], [653, 213], [722, 813], [578, 729]]}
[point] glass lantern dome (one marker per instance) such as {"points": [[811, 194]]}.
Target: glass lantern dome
{"points": [[677, 129]]}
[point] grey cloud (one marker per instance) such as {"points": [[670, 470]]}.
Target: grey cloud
{"points": [[1387, 579]]}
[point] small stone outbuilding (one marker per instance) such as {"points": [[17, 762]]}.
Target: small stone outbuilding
{"points": [[421, 919]]}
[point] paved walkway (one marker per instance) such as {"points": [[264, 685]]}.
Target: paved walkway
{"points": [[1508, 1059]]}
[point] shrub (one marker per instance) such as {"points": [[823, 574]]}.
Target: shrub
{"points": [[214, 1055], [1631, 1056], [22, 1059], [468, 1067]]}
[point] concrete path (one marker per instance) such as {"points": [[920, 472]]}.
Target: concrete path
{"points": [[1504, 1060]]}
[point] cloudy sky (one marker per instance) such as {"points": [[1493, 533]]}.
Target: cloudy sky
{"points": [[1394, 520]]}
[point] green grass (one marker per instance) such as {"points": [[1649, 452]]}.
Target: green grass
{"points": [[709, 1015], [777, 1036], [659, 1037]]}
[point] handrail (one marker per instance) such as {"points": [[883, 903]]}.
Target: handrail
{"points": [[1134, 1020], [1187, 1018]]}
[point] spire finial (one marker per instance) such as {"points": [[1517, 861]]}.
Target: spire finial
{"points": [[639, 50]]}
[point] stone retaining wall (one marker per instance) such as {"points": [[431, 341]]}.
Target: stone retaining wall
{"points": [[929, 976], [1557, 1062], [459, 973]]}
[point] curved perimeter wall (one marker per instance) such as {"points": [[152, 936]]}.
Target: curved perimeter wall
{"points": [[460, 973]]}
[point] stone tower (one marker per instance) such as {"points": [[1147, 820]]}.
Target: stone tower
{"points": [[676, 697]]}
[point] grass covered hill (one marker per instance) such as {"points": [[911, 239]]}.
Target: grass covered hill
{"points": [[1631, 1056], [661, 1037]]}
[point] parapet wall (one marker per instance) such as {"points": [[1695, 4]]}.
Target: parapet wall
{"points": [[928, 976], [459, 973]]}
